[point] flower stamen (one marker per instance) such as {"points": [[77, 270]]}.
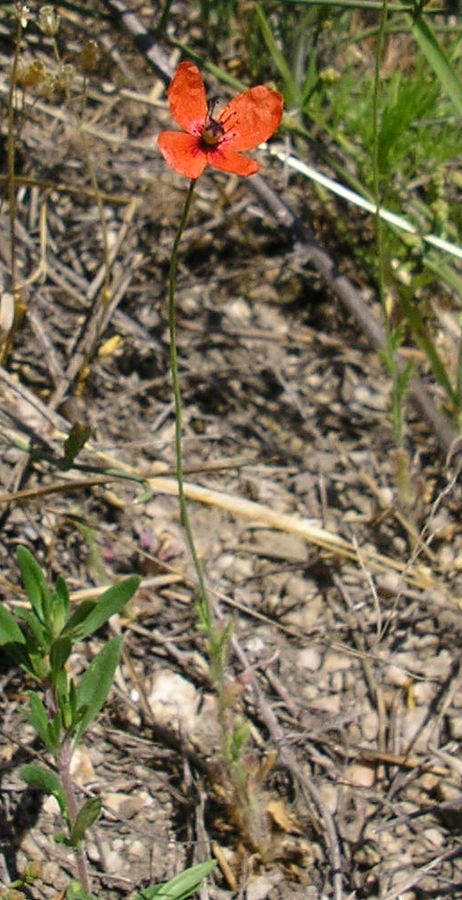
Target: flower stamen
{"points": [[212, 133]]}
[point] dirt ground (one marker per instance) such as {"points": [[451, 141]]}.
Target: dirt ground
{"points": [[344, 595]]}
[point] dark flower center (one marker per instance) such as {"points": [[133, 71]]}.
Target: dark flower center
{"points": [[212, 133]]}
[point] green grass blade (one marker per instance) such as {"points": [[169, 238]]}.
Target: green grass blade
{"points": [[291, 89], [436, 57], [421, 335]]}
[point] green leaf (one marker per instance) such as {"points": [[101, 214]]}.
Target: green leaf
{"points": [[181, 886], [42, 779], [80, 613], [60, 606], [88, 815], [75, 891], [40, 721], [96, 684], [111, 602], [59, 654], [291, 88], [37, 636], [74, 443], [422, 336], [441, 65], [34, 582], [10, 632]]}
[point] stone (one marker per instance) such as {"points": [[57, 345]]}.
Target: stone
{"points": [[310, 658], [335, 661], [360, 775], [370, 725]]}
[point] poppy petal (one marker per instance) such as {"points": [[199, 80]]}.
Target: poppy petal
{"points": [[186, 97], [228, 161], [182, 153], [252, 118]]}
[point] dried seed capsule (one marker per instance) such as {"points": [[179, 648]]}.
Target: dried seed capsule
{"points": [[89, 57], [49, 21]]}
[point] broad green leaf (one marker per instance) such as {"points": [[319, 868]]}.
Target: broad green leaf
{"points": [[441, 65], [96, 684], [34, 581], [111, 602], [40, 721], [10, 632], [88, 815], [44, 780], [181, 886]]}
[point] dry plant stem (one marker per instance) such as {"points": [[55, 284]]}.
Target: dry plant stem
{"points": [[204, 606], [64, 763]]}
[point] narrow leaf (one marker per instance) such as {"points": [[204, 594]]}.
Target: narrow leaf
{"points": [[436, 57], [39, 720], [111, 602], [422, 336], [181, 886], [77, 617], [33, 580], [37, 633], [74, 443], [88, 815], [279, 60], [96, 684], [59, 654]]}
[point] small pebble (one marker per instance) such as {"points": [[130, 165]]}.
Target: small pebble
{"points": [[335, 662], [395, 676], [360, 775], [329, 704], [455, 727], [370, 725], [329, 796], [434, 837], [423, 692], [336, 682], [310, 659]]}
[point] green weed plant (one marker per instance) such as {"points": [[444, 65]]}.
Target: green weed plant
{"points": [[40, 638]]}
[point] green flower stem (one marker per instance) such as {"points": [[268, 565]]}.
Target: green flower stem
{"points": [[206, 618]]}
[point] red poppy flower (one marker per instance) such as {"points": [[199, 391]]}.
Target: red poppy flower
{"points": [[243, 124]]}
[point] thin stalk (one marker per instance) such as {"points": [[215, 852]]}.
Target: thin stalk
{"points": [[10, 180], [375, 161], [204, 606], [64, 768]]}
